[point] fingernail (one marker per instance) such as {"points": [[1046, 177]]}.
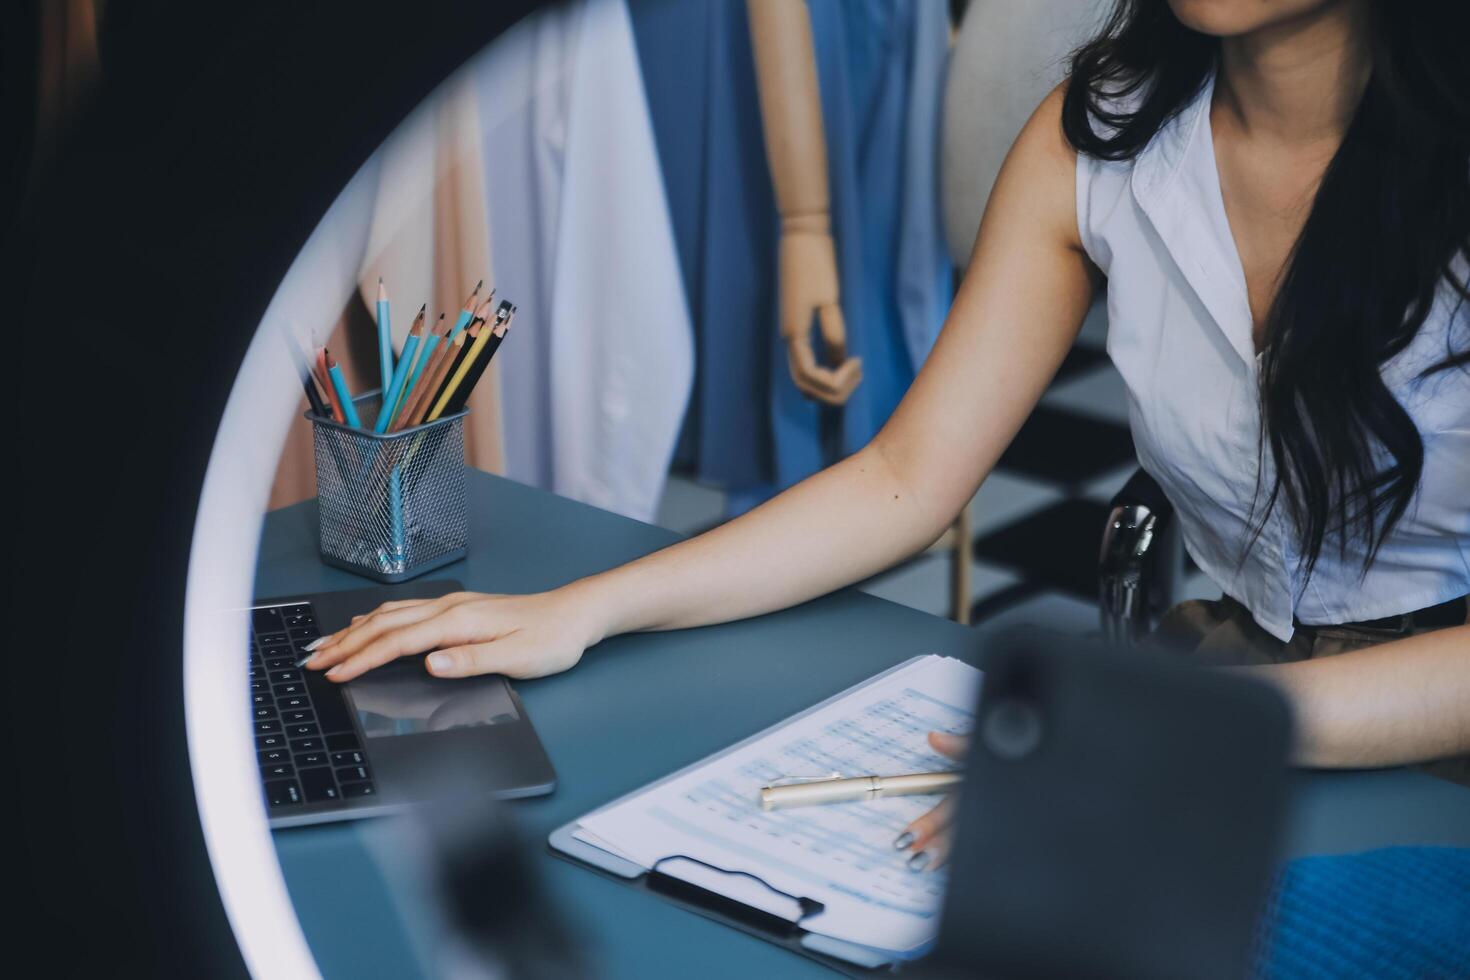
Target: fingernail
{"points": [[306, 660], [335, 671], [440, 662], [315, 643], [919, 861], [903, 841]]}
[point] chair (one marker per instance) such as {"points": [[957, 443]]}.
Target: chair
{"points": [[1138, 562], [1006, 57]]}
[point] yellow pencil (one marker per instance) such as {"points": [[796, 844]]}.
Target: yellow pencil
{"points": [[460, 372]]}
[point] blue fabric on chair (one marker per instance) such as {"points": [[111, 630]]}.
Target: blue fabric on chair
{"points": [[1401, 912]]}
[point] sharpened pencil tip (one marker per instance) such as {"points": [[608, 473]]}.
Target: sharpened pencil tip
{"points": [[423, 307]]}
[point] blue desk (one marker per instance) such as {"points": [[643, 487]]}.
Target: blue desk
{"points": [[638, 707]]}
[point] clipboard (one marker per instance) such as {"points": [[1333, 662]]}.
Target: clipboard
{"points": [[847, 958]]}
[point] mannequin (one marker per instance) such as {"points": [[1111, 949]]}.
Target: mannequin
{"points": [[796, 150], [791, 115]]}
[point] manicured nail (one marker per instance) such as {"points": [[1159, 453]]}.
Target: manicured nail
{"points": [[903, 841], [335, 671], [310, 647], [440, 662], [919, 861], [306, 660]]}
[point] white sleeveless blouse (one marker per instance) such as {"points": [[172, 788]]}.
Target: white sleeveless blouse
{"points": [[1179, 331]]}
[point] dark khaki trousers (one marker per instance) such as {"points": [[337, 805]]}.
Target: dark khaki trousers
{"points": [[1221, 632]]}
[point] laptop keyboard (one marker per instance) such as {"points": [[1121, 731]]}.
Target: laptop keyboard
{"points": [[304, 739]]}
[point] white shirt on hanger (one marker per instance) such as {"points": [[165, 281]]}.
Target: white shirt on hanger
{"points": [[597, 370]]}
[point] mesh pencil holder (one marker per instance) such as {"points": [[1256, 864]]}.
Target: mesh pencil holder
{"points": [[391, 506]]}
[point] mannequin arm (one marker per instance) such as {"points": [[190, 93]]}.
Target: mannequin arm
{"points": [[791, 114]]}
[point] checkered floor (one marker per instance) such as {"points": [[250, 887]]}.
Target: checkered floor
{"points": [[1037, 520]]}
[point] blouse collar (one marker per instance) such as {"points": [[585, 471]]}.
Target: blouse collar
{"points": [[1176, 183]]}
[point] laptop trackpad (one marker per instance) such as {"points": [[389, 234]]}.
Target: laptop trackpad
{"points": [[404, 699]]}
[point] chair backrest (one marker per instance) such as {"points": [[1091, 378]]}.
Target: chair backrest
{"points": [[1007, 56]]}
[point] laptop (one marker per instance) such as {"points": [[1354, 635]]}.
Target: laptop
{"points": [[392, 738], [1121, 817]]}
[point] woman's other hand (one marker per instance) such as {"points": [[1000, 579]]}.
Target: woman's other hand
{"points": [[465, 633], [928, 838]]}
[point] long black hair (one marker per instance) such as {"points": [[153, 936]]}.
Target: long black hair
{"points": [[1389, 228]]}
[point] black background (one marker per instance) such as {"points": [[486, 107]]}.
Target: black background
{"points": [[142, 265]]}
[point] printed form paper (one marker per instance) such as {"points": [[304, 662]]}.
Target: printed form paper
{"points": [[838, 854]]}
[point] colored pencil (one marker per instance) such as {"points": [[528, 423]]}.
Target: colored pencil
{"points": [[404, 417], [434, 372], [482, 313], [400, 373], [467, 312], [395, 513], [314, 398], [326, 383], [426, 351], [344, 396], [385, 337], [448, 355], [460, 370], [471, 334], [466, 388], [303, 370]]}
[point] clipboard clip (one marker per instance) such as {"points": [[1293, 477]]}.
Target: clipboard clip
{"points": [[710, 900]]}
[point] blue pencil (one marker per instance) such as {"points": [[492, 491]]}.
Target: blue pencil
{"points": [[469, 313], [339, 384], [395, 513], [426, 351], [466, 314], [400, 373], [385, 336]]}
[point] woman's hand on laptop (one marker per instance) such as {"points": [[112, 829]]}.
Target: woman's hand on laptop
{"points": [[465, 633], [927, 839]]}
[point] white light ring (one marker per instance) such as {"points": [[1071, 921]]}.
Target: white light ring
{"points": [[261, 407]]}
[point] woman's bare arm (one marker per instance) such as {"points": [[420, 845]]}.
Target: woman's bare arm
{"points": [[1401, 701], [1017, 313]]}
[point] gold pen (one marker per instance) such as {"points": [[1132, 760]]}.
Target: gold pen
{"points": [[844, 789]]}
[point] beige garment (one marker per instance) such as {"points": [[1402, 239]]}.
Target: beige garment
{"points": [[67, 67], [430, 242], [1221, 632]]}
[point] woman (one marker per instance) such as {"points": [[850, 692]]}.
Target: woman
{"points": [[1278, 198]]}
